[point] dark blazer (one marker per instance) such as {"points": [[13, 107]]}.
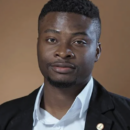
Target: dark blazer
{"points": [[107, 108]]}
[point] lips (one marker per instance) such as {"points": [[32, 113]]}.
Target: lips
{"points": [[63, 68]]}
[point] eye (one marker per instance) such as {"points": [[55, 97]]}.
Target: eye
{"points": [[80, 42], [51, 40]]}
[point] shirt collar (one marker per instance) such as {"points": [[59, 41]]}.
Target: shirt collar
{"points": [[84, 97], [37, 105]]}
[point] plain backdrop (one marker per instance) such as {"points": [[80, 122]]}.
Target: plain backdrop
{"points": [[19, 72]]}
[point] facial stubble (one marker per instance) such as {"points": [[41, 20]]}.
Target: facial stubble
{"points": [[61, 84]]}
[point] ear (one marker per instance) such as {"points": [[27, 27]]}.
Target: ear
{"points": [[98, 51]]}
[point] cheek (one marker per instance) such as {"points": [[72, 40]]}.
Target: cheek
{"points": [[87, 55], [44, 57], [86, 61], [45, 52]]}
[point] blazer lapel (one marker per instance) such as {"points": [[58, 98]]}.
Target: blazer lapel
{"points": [[100, 103], [94, 118]]}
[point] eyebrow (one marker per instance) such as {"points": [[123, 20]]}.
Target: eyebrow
{"points": [[51, 31], [58, 32], [80, 33]]}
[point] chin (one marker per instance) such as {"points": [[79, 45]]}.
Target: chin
{"points": [[61, 83]]}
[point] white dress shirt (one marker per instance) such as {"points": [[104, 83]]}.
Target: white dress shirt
{"points": [[75, 117]]}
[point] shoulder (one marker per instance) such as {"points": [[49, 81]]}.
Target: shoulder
{"points": [[120, 104], [10, 109], [120, 101], [121, 107], [11, 105], [115, 98], [19, 103]]}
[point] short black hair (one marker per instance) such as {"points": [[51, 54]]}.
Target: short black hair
{"points": [[83, 7]]}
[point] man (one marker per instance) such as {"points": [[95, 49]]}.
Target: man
{"points": [[70, 99]]}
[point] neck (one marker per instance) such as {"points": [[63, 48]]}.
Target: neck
{"points": [[57, 101]]}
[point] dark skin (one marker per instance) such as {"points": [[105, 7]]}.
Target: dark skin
{"points": [[67, 50]]}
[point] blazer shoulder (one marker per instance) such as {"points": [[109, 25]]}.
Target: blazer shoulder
{"points": [[11, 105], [18, 104], [9, 110], [117, 99], [122, 106], [120, 100]]}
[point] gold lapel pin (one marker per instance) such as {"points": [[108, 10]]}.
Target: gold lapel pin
{"points": [[100, 126]]}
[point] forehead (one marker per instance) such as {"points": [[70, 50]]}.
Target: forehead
{"points": [[66, 22]]}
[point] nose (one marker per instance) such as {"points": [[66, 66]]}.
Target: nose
{"points": [[64, 53]]}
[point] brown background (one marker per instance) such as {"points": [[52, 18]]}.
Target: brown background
{"points": [[19, 72]]}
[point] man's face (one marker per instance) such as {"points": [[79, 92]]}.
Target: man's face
{"points": [[67, 47]]}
